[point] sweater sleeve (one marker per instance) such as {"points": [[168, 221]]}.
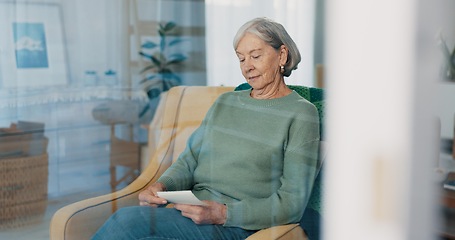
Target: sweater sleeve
{"points": [[288, 203], [179, 176]]}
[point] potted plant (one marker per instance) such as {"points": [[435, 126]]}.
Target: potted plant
{"points": [[159, 74], [448, 69]]}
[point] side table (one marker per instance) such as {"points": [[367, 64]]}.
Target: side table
{"points": [[124, 151]]}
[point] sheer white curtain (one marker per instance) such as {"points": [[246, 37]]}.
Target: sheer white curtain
{"points": [[224, 17], [96, 33]]}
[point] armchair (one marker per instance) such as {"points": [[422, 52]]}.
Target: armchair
{"points": [[179, 113]]}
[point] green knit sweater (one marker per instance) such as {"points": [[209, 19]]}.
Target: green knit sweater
{"points": [[259, 157]]}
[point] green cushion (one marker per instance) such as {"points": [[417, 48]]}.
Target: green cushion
{"points": [[315, 96]]}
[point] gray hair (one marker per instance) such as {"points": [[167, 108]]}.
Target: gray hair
{"points": [[273, 34]]}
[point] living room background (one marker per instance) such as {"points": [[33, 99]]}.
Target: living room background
{"points": [[85, 100]]}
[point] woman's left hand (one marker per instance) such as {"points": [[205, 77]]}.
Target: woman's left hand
{"points": [[211, 213]]}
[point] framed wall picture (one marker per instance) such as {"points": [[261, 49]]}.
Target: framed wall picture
{"points": [[32, 46]]}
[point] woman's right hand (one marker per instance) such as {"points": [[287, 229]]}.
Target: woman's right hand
{"points": [[149, 196]]}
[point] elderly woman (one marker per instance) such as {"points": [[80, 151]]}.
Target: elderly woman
{"points": [[252, 161]]}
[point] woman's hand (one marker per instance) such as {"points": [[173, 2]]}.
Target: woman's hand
{"points": [[211, 213], [148, 197]]}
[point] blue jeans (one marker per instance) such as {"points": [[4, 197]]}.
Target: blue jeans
{"points": [[142, 222], [167, 223]]}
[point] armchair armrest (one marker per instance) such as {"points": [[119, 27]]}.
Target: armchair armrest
{"points": [[283, 232], [82, 219]]}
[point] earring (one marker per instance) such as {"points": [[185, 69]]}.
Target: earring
{"points": [[282, 69]]}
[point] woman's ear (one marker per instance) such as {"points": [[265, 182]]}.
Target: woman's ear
{"points": [[283, 55]]}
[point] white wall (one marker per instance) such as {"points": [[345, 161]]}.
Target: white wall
{"points": [[92, 35], [445, 108]]}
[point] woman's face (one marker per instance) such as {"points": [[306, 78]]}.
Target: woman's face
{"points": [[260, 63]]}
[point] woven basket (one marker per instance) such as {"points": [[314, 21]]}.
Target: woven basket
{"points": [[23, 190]]}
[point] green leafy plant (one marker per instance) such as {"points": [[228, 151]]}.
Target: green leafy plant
{"points": [[448, 69], [160, 75]]}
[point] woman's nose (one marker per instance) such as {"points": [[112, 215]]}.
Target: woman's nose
{"points": [[247, 66]]}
